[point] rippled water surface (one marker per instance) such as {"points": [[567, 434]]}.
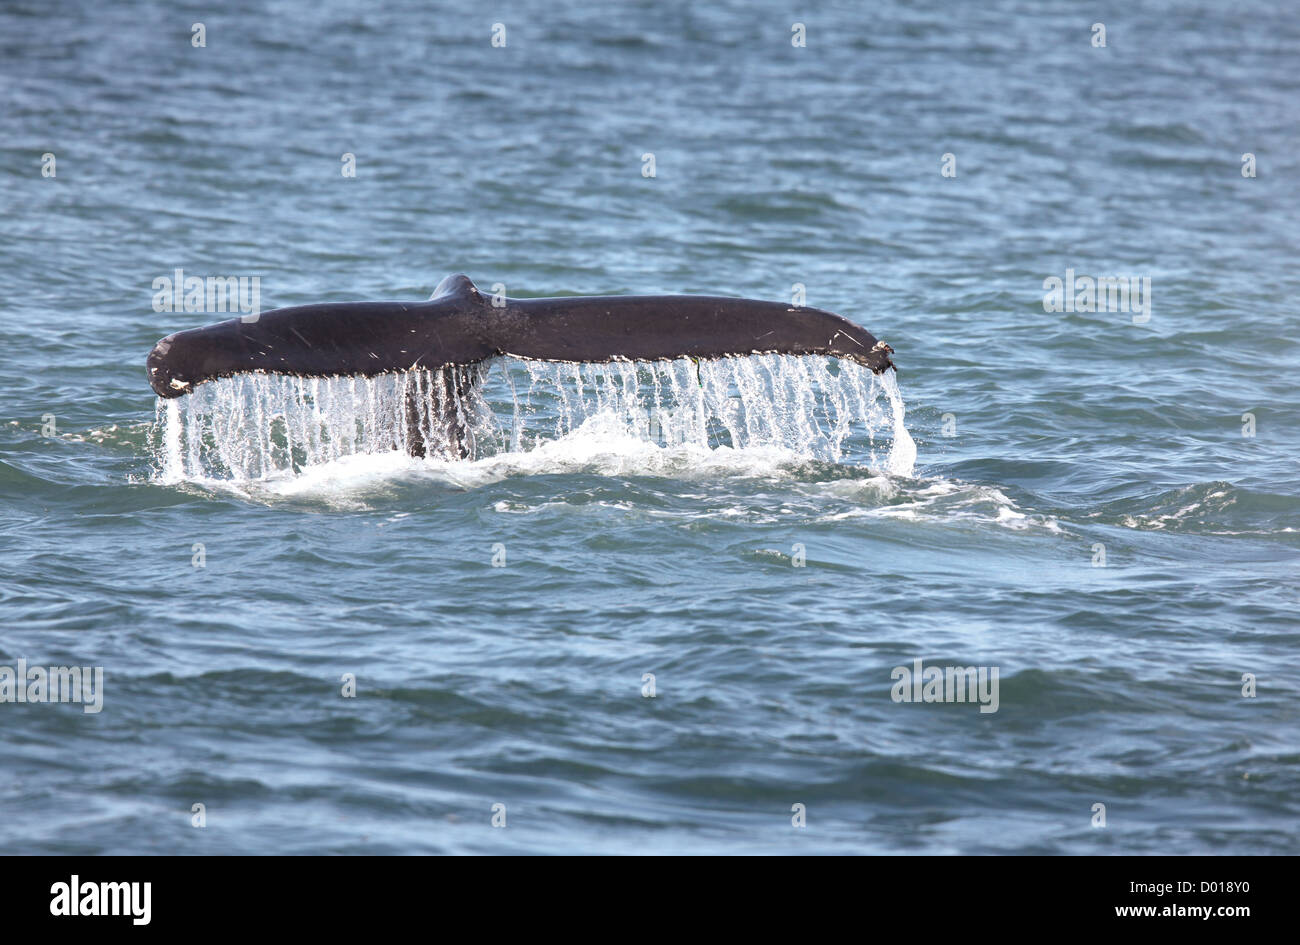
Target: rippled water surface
{"points": [[500, 614]]}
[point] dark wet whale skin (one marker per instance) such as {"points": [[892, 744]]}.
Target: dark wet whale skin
{"points": [[461, 326]]}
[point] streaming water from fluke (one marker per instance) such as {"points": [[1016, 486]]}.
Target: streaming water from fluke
{"points": [[260, 426]]}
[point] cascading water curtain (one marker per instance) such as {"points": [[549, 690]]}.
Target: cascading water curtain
{"points": [[256, 425]]}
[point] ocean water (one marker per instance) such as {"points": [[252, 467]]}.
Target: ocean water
{"points": [[1102, 506]]}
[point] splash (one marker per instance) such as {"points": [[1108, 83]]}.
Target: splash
{"points": [[259, 426]]}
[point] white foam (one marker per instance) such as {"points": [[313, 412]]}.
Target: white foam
{"points": [[941, 500], [735, 416]]}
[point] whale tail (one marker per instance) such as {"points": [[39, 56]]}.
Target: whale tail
{"points": [[458, 328]]}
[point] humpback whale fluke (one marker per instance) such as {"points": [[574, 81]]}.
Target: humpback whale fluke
{"points": [[458, 327]]}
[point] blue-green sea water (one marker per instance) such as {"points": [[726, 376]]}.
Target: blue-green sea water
{"points": [[1103, 506]]}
